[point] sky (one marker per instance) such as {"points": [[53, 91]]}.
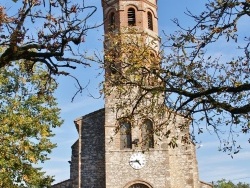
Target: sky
{"points": [[213, 165]]}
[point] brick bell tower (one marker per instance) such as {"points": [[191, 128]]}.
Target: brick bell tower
{"points": [[138, 13], [128, 165]]}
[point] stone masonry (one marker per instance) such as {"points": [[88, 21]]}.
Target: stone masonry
{"points": [[98, 161], [108, 166]]}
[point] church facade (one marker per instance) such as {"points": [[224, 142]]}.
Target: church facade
{"points": [[102, 158]]}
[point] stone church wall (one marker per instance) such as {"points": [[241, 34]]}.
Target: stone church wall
{"points": [[182, 159], [183, 167], [119, 173], [92, 152], [74, 166], [166, 167]]}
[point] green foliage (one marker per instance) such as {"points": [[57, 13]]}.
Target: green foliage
{"points": [[37, 42], [228, 184], [28, 111]]}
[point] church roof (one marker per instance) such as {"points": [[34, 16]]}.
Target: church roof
{"points": [[79, 120]]}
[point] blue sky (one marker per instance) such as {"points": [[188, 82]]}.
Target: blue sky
{"points": [[213, 165]]}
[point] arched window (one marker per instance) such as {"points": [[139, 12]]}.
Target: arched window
{"points": [[150, 21], [138, 185], [125, 135], [131, 17], [111, 20], [147, 134]]}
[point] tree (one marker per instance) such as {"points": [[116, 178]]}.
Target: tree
{"points": [[228, 184], [28, 112], [39, 40], [48, 32], [216, 87], [212, 91]]}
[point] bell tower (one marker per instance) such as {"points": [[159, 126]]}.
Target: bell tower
{"points": [[132, 152], [133, 18], [136, 13], [127, 163], [135, 155]]}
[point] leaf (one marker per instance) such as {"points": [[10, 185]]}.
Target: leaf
{"points": [[26, 124]]}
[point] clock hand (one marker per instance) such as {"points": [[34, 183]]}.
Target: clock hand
{"points": [[135, 161], [138, 161]]}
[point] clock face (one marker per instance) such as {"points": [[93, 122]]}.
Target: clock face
{"points": [[137, 160]]}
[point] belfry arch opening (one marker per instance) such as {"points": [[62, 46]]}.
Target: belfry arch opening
{"points": [[150, 21], [125, 135], [112, 21], [131, 17], [147, 134]]}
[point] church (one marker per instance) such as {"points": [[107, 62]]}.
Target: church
{"points": [[104, 157]]}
